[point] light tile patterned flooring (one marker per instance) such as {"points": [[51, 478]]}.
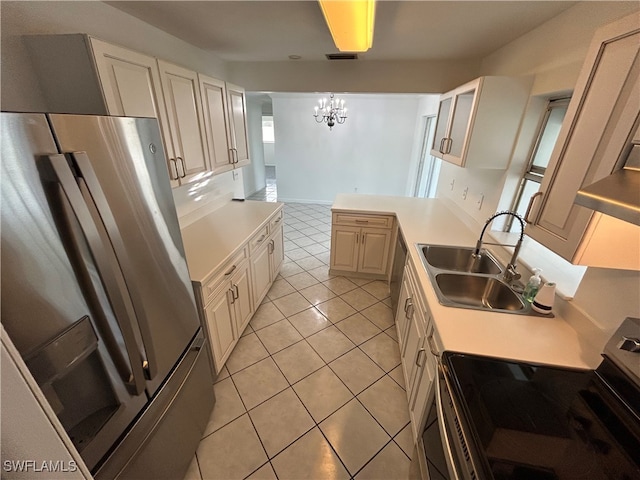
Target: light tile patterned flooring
{"points": [[314, 388]]}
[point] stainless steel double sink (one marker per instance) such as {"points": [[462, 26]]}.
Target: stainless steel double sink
{"points": [[460, 280]]}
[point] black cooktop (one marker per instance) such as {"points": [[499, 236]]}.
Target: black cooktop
{"points": [[540, 422]]}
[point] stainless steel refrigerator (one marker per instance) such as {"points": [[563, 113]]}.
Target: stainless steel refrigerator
{"points": [[96, 294]]}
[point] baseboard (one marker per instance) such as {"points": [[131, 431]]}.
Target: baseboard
{"points": [[304, 200]]}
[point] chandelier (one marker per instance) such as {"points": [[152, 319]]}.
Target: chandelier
{"points": [[330, 113]]}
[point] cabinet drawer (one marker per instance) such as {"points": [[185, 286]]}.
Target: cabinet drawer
{"points": [[222, 274], [275, 221], [379, 221], [259, 239]]}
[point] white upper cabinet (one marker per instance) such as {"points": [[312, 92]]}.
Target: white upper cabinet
{"points": [[202, 119], [238, 125], [478, 122], [186, 121], [130, 81], [600, 121], [214, 104]]}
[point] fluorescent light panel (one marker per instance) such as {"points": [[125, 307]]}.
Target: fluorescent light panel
{"points": [[350, 23]]}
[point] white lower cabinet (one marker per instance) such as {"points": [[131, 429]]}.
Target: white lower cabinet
{"points": [[228, 312], [221, 326], [233, 292], [361, 244], [413, 322], [266, 262], [260, 273], [242, 298]]}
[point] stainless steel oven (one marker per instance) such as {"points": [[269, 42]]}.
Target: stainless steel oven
{"points": [[444, 443], [505, 420]]}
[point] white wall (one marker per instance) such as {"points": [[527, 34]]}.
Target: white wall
{"points": [[353, 76], [427, 106], [254, 174], [369, 153], [554, 52], [269, 153]]}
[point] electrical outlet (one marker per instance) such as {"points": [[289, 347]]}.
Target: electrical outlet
{"points": [[480, 201], [465, 193], [234, 174], [355, 189], [453, 182]]}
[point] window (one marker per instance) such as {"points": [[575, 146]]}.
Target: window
{"points": [[540, 155], [267, 129]]}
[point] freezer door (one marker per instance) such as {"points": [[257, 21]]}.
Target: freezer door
{"points": [[161, 444], [54, 303], [121, 161]]}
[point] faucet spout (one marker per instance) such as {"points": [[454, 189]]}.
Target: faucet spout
{"points": [[510, 273]]}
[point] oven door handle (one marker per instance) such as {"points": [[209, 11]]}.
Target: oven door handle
{"points": [[444, 435]]}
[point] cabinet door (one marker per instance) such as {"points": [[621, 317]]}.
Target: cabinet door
{"points": [[344, 248], [221, 325], [414, 350], [131, 87], [403, 312], [238, 124], [260, 273], [440, 136], [277, 251], [186, 123], [242, 301], [374, 250], [460, 123], [214, 104], [599, 121]]}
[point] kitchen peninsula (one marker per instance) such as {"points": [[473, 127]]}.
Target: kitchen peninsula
{"points": [[518, 337]]}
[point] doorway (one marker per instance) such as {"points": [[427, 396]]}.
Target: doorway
{"points": [[428, 166]]}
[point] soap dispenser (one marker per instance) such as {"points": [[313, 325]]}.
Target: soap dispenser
{"points": [[533, 285]]}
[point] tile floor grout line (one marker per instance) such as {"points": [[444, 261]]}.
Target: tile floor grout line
{"points": [[302, 210]]}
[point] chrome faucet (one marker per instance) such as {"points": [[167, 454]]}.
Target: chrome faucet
{"points": [[510, 273]]}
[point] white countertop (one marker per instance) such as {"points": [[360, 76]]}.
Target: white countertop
{"points": [[519, 337], [212, 239]]}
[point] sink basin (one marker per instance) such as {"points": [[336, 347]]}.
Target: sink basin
{"points": [[479, 292], [459, 259]]}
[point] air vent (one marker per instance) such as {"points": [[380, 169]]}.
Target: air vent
{"points": [[342, 56]]}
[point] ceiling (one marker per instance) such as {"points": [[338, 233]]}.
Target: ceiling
{"points": [[405, 30]]}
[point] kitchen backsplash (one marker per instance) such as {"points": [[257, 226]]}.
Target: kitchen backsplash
{"points": [[205, 195]]}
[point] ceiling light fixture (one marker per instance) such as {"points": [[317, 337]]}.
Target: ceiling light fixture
{"points": [[350, 23], [330, 113]]}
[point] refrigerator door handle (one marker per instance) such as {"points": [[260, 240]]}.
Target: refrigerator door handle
{"points": [[96, 244], [100, 201]]}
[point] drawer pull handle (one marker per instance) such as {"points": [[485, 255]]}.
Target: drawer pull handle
{"points": [[361, 221], [260, 240], [419, 362], [406, 304], [410, 310], [230, 271], [278, 220]]}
